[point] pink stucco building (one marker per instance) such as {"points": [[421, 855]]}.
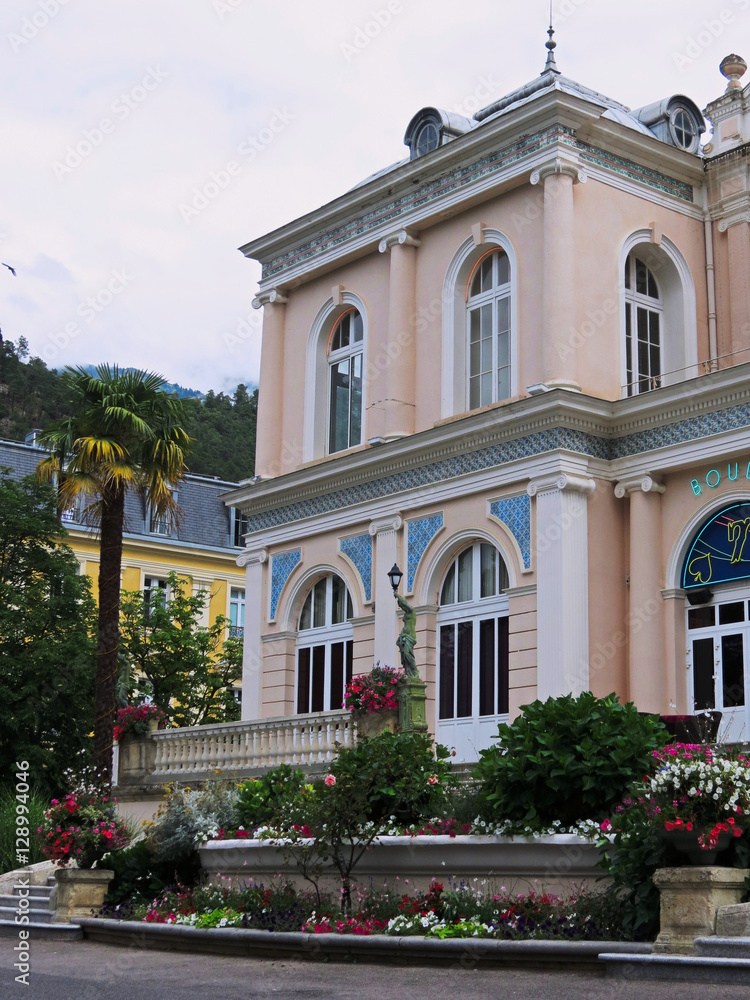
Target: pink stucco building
{"points": [[517, 364]]}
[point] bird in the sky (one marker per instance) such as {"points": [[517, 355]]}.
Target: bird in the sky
{"points": [[11, 269]]}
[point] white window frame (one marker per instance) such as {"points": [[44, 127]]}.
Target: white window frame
{"points": [[326, 636], [454, 369], [349, 353], [497, 293], [316, 407], [637, 304], [236, 612], [472, 732]]}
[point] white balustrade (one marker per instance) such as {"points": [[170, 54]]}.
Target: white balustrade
{"points": [[234, 746]]}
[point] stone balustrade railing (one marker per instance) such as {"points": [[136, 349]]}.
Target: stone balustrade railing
{"points": [[234, 746]]}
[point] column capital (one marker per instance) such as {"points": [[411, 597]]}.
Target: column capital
{"points": [[401, 237], [645, 484], [252, 557], [734, 220], [562, 481], [386, 524], [560, 165], [273, 296]]}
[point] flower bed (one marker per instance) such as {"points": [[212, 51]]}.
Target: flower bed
{"points": [[444, 910]]}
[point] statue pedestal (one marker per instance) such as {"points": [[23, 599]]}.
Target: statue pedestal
{"points": [[690, 898], [411, 706]]}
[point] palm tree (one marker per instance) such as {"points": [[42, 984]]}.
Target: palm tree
{"points": [[126, 434]]}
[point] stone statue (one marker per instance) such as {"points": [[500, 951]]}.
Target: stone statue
{"points": [[407, 639]]}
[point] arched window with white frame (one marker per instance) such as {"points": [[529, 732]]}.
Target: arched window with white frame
{"points": [[325, 646], [345, 360], [479, 338], [473, 650], [488, 330], [644, 319]]}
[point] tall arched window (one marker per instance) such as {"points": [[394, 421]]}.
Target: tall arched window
{"points": [[472, 680], [345, 353], [325, 646], [488, 330], [643, 328]]}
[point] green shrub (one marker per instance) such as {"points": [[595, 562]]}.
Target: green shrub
{"points": [[396, 774], [189, 813], [263, 800], [566, 759], [37, 803], [139, 877]]}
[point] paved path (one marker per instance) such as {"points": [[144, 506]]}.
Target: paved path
{"points": [[86, 971]]}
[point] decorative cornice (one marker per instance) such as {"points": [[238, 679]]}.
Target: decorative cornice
{"points": [[526, 591], [734, 220], [269, 297], [386, 524], [401, 238], [252, 557], [560, 483], [675, 593], [560, 165], [645, 484]]}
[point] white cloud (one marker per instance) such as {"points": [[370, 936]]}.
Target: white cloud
{"points": [[185, 85]]}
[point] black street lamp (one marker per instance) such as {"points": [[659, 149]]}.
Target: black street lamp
{"points": [[395, 576]]}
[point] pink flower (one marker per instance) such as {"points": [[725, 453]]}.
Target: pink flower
{"points": [[605, 825], [432, 780], [329, 780]]}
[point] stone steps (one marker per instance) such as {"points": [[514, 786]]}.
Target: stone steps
{"points": [[723, 947], [677, 968]]}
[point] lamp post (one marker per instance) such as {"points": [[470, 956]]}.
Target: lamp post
{"points": [[395, 576]]}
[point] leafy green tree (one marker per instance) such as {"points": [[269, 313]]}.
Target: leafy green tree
{"points": [[125, 434], [186, 668], [47, 647], [223, 428]]}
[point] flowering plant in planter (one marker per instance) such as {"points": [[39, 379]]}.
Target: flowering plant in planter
{"points": [[135, 720], [694, 790], [82, 827], [374, 692]]}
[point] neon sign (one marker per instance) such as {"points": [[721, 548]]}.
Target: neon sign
{"points": [[720, 552], [714, 477]]}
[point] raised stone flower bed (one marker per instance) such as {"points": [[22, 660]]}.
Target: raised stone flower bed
{"points": [[557, 863]]}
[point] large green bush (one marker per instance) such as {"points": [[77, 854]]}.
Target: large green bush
{"points": [[263, 800], [566, 759]]}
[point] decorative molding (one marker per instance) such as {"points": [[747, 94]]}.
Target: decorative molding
{"points": [[646, 484], [386, 524], [280, 636], [562, 482], [401, 238], [252, 557], [527, 591], [734, 220], [419, 534], [559, 165], [673, 593], [269, 297], [358, 550], [515, 514], [283, 565], [455, 179]]}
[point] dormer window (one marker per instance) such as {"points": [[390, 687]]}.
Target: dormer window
{"points": [[683, 129], [430, 128]]}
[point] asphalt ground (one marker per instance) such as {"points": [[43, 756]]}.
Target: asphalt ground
{"points": [[87, 971]]}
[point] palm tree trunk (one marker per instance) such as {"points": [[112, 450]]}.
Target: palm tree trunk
{"points": [[110, 562]]}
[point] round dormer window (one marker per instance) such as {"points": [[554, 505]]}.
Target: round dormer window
{"points": [[428, 138], [684, 130]]}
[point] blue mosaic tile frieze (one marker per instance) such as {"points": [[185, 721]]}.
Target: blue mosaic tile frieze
{"points": [[515, 513], [282, 566], [358, 550], [433, 472], [497, 160], [419, 535], [560, 438]]}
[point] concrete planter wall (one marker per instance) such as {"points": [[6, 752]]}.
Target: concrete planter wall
{"points": [[79, 891], [556, 863]]}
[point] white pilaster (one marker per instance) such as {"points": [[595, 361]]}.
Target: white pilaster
{"points": [[562, 584], [252, 657], [384, 532]]}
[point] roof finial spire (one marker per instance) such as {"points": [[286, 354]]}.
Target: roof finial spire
{"points": [[550, 66]]}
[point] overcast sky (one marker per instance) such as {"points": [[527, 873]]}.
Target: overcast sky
{"points": [[119, 119]]}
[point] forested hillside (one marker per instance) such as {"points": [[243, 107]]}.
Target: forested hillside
{"points": [[223, 426]]}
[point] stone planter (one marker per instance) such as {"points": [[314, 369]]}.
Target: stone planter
{"points": [[79, 891], [690, 898], [137, 758], [687, 842], [411, 707], [374, 723]]}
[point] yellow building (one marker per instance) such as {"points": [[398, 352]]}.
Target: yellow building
{"points": [[203, 547]]}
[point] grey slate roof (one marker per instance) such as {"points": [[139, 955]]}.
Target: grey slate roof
{"points": [[206, 521]]}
